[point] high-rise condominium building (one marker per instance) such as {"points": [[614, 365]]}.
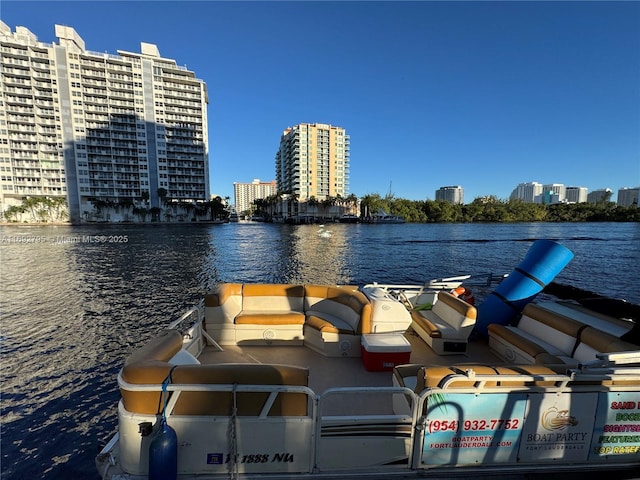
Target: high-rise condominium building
{"points": [[96, 126], [313, 161], [576, 194], [553, 193], [527, 192], [603, 194], [452, 194], [628, 197], [245, 193]]}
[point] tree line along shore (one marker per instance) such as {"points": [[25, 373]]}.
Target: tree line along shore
{"points": [[482, 210]]}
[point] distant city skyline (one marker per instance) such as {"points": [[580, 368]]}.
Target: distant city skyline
{"points": [[484, 95], [527, 191]]}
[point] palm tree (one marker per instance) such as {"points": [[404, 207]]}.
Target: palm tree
{"points": [[13, 211], [216, 209], [313, 203], [188, 208], [155, 213], [291, 201], [141, 212], [162, 195], [352, 203], [126, 204], [327, 203]]}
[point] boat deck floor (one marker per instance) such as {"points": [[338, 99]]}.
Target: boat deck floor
{"points": [[329, 372]]}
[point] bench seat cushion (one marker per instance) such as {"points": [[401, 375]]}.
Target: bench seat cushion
{"points": [[326, 322], [427, 325], [594, 341], [272, 297], [270, 318], [524, 341]]}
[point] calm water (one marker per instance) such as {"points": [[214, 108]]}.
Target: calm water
{"points": [[72, 309]]}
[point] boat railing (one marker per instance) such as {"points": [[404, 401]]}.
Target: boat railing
{"points": [[410, 294], [194, 315], [387, 391], [616, 358], [190, 325], [480, 381], [272, 390], [346, 415]]}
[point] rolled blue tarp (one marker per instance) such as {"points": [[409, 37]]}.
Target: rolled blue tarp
{"points": [[544, 260]]}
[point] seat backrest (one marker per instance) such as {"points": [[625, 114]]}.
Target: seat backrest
{"points": [[346, 303], [224, 303], [247, 403], [593, 341], [149, 365], [431, 377], [273, 297], [314, 294], [553, 328], [454, 311]]}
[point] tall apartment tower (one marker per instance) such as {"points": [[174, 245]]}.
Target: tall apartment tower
{"points": [[600, 195], [576, 194], [245, 193], [554, 193], [313, 161], [527, 192], [97, 126], [628, 197], [451, 194]]}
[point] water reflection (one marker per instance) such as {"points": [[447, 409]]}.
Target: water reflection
{"points": [[284, 254]]}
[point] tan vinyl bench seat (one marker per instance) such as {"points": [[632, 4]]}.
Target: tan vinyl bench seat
{"points": [[150, 365], [539, 331], [336, 317], [447, 326], [329, 319], [272, 304], [419, 377], [549, 338], [270, 318]]}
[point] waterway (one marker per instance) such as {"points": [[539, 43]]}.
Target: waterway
{"points": [[75, 301]]}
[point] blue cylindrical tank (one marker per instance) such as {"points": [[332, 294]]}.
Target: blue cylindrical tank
{"points": [[544, 260], [163, 453]]}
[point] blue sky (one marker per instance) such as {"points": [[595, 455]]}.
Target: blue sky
{"points": [[484, 95]]}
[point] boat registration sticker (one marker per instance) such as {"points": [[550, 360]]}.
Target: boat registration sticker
{"points": [[465, 428]]}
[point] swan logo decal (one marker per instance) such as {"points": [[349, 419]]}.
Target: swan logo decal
{"points": [[554, 419]]}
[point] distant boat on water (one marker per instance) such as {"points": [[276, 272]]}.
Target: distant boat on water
{"points": [[349, 218], [384, 217]]}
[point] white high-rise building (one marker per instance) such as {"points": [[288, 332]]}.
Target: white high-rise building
{"points": [[628, 197], [599, 195], [576, 194], [553, 193], [313, 161], [245, 193], [452, 194], [94, 126], [527, 192]]}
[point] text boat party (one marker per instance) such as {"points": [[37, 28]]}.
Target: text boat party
{"points": [[382, 381]]}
